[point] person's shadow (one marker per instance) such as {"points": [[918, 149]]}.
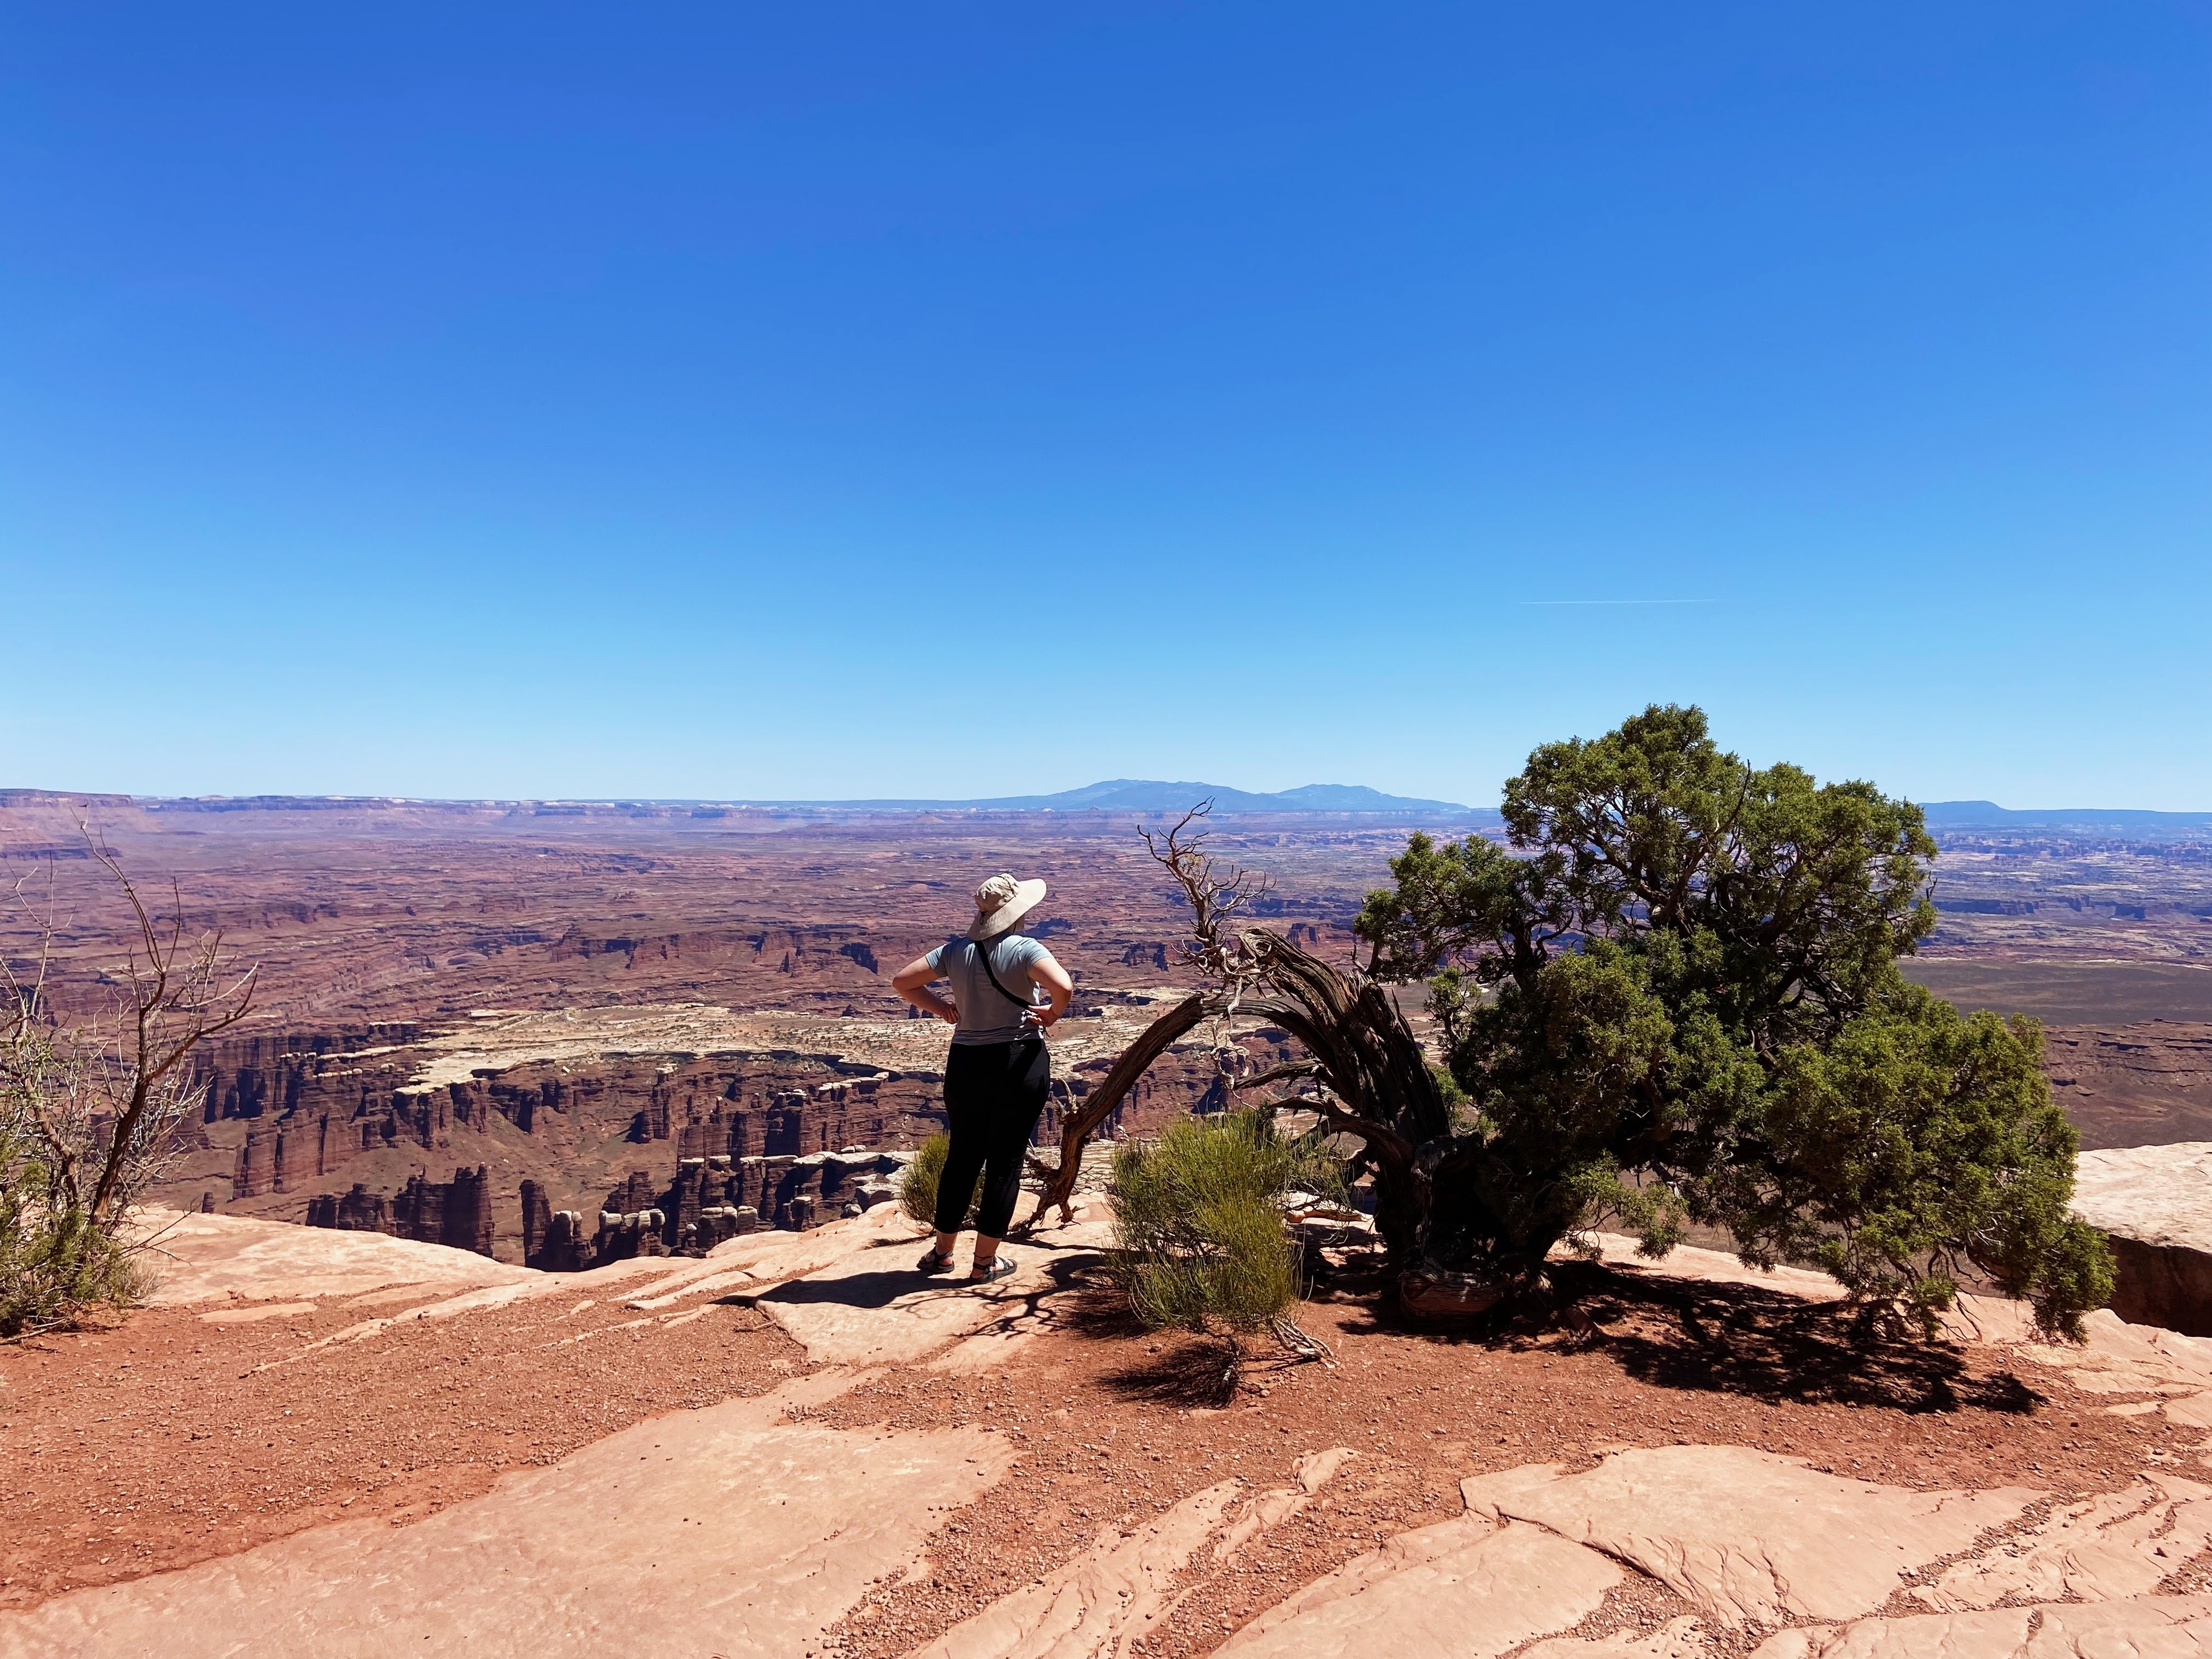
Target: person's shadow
{"points": [[880, 1289], [868, 1290]]}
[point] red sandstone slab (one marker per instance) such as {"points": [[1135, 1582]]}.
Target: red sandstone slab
{"points": [[1470, 1588], [726, 1531], [2152, 1627], [1745, 1536], [870, 1306], [209, 1258]]}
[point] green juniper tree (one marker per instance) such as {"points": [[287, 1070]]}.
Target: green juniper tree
{"points": [[1676, 998]]}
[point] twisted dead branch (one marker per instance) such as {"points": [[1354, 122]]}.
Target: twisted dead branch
{"points": [[98, 1097], [1375, 1079]]}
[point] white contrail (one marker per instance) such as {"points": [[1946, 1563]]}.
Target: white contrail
{"points": [[1620, 601]]}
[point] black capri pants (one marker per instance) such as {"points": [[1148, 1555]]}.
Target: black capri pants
{"points": [[994, 1093]]}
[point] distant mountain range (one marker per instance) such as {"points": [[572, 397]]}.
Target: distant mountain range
{"points": [[1151, 795], [1146, 795], [1988, 815]]}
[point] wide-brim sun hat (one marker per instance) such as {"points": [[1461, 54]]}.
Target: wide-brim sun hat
{"points": [[1001, 902]]}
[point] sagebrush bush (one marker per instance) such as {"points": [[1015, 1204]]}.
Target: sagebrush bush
{"points": [[54, 1262], [918, 1184], [1198, 1222]]}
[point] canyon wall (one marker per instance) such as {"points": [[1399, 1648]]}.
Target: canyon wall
{"points": [[457, 1213], [349, 1129], [2140, 1084]]}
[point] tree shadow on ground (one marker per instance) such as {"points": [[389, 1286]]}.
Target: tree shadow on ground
{"points": [[1088, 1303], [1741, 1340], [880, 1288]]}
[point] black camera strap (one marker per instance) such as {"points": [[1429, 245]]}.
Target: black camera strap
{"points": [[983, 958]]}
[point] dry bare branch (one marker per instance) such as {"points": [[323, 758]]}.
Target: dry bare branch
{"points": [[89, 1105], [1375, 1081]]}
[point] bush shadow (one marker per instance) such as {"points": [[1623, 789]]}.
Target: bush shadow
{"points": [[1189, 1371], [1088, 1303]]}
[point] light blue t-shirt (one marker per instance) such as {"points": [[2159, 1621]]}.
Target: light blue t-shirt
{"points": [[985, 1016]]}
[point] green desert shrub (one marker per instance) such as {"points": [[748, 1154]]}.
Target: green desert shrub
{"points": [[918, 1185], [1198, 1222], [53, 1269], [54, 1262]]}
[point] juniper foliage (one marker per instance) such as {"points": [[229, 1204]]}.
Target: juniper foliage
{"points": [[1675, 996], [89, 1106], [54, 1261]]}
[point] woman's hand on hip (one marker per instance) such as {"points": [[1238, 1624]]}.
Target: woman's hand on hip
{"points": [[1058, 987]]}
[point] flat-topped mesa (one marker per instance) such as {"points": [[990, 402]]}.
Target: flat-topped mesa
{"points": [[456, 1213], [311, 1101], [658, 1068], [790, 1122], [292, 1111], [801, 1121]]}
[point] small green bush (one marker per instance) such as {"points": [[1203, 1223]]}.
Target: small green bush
{"points": [[918, 1185], [1198, 1221], [54, 1262]]}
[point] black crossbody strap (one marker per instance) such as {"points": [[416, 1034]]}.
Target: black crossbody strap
{"points": [[983, 957]]}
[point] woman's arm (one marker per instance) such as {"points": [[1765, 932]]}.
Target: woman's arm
{"points": [[1058, 986], [913, 983]]}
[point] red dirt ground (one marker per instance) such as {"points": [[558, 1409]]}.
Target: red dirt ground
{"points": [[1114, 1424], [159, 1442]]}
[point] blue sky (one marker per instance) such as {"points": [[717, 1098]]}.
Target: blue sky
{"points": [[744, 401]]}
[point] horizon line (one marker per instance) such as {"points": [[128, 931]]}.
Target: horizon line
{"points": [[882, 802]]}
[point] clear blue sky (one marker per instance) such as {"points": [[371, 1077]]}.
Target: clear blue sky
{"points": [[941, 400]]}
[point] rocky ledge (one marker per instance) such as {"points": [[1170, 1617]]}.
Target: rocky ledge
{"points": [[2155, 1205], [818, 1518]]}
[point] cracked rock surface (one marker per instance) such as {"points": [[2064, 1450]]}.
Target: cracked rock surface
{"points": [[796, 1446]]}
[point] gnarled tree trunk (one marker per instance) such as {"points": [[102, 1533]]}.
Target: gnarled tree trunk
{"points": [[1376, 1084], [1376, 1079]]}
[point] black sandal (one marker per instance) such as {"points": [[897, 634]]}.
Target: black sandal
{"points": [[934, 1263], [984, 1272]]}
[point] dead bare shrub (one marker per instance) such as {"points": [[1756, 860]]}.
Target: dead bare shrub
{"points": [[89, 1104]]}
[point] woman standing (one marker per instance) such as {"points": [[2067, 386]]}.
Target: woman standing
{"points": [[998, 1072]]}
